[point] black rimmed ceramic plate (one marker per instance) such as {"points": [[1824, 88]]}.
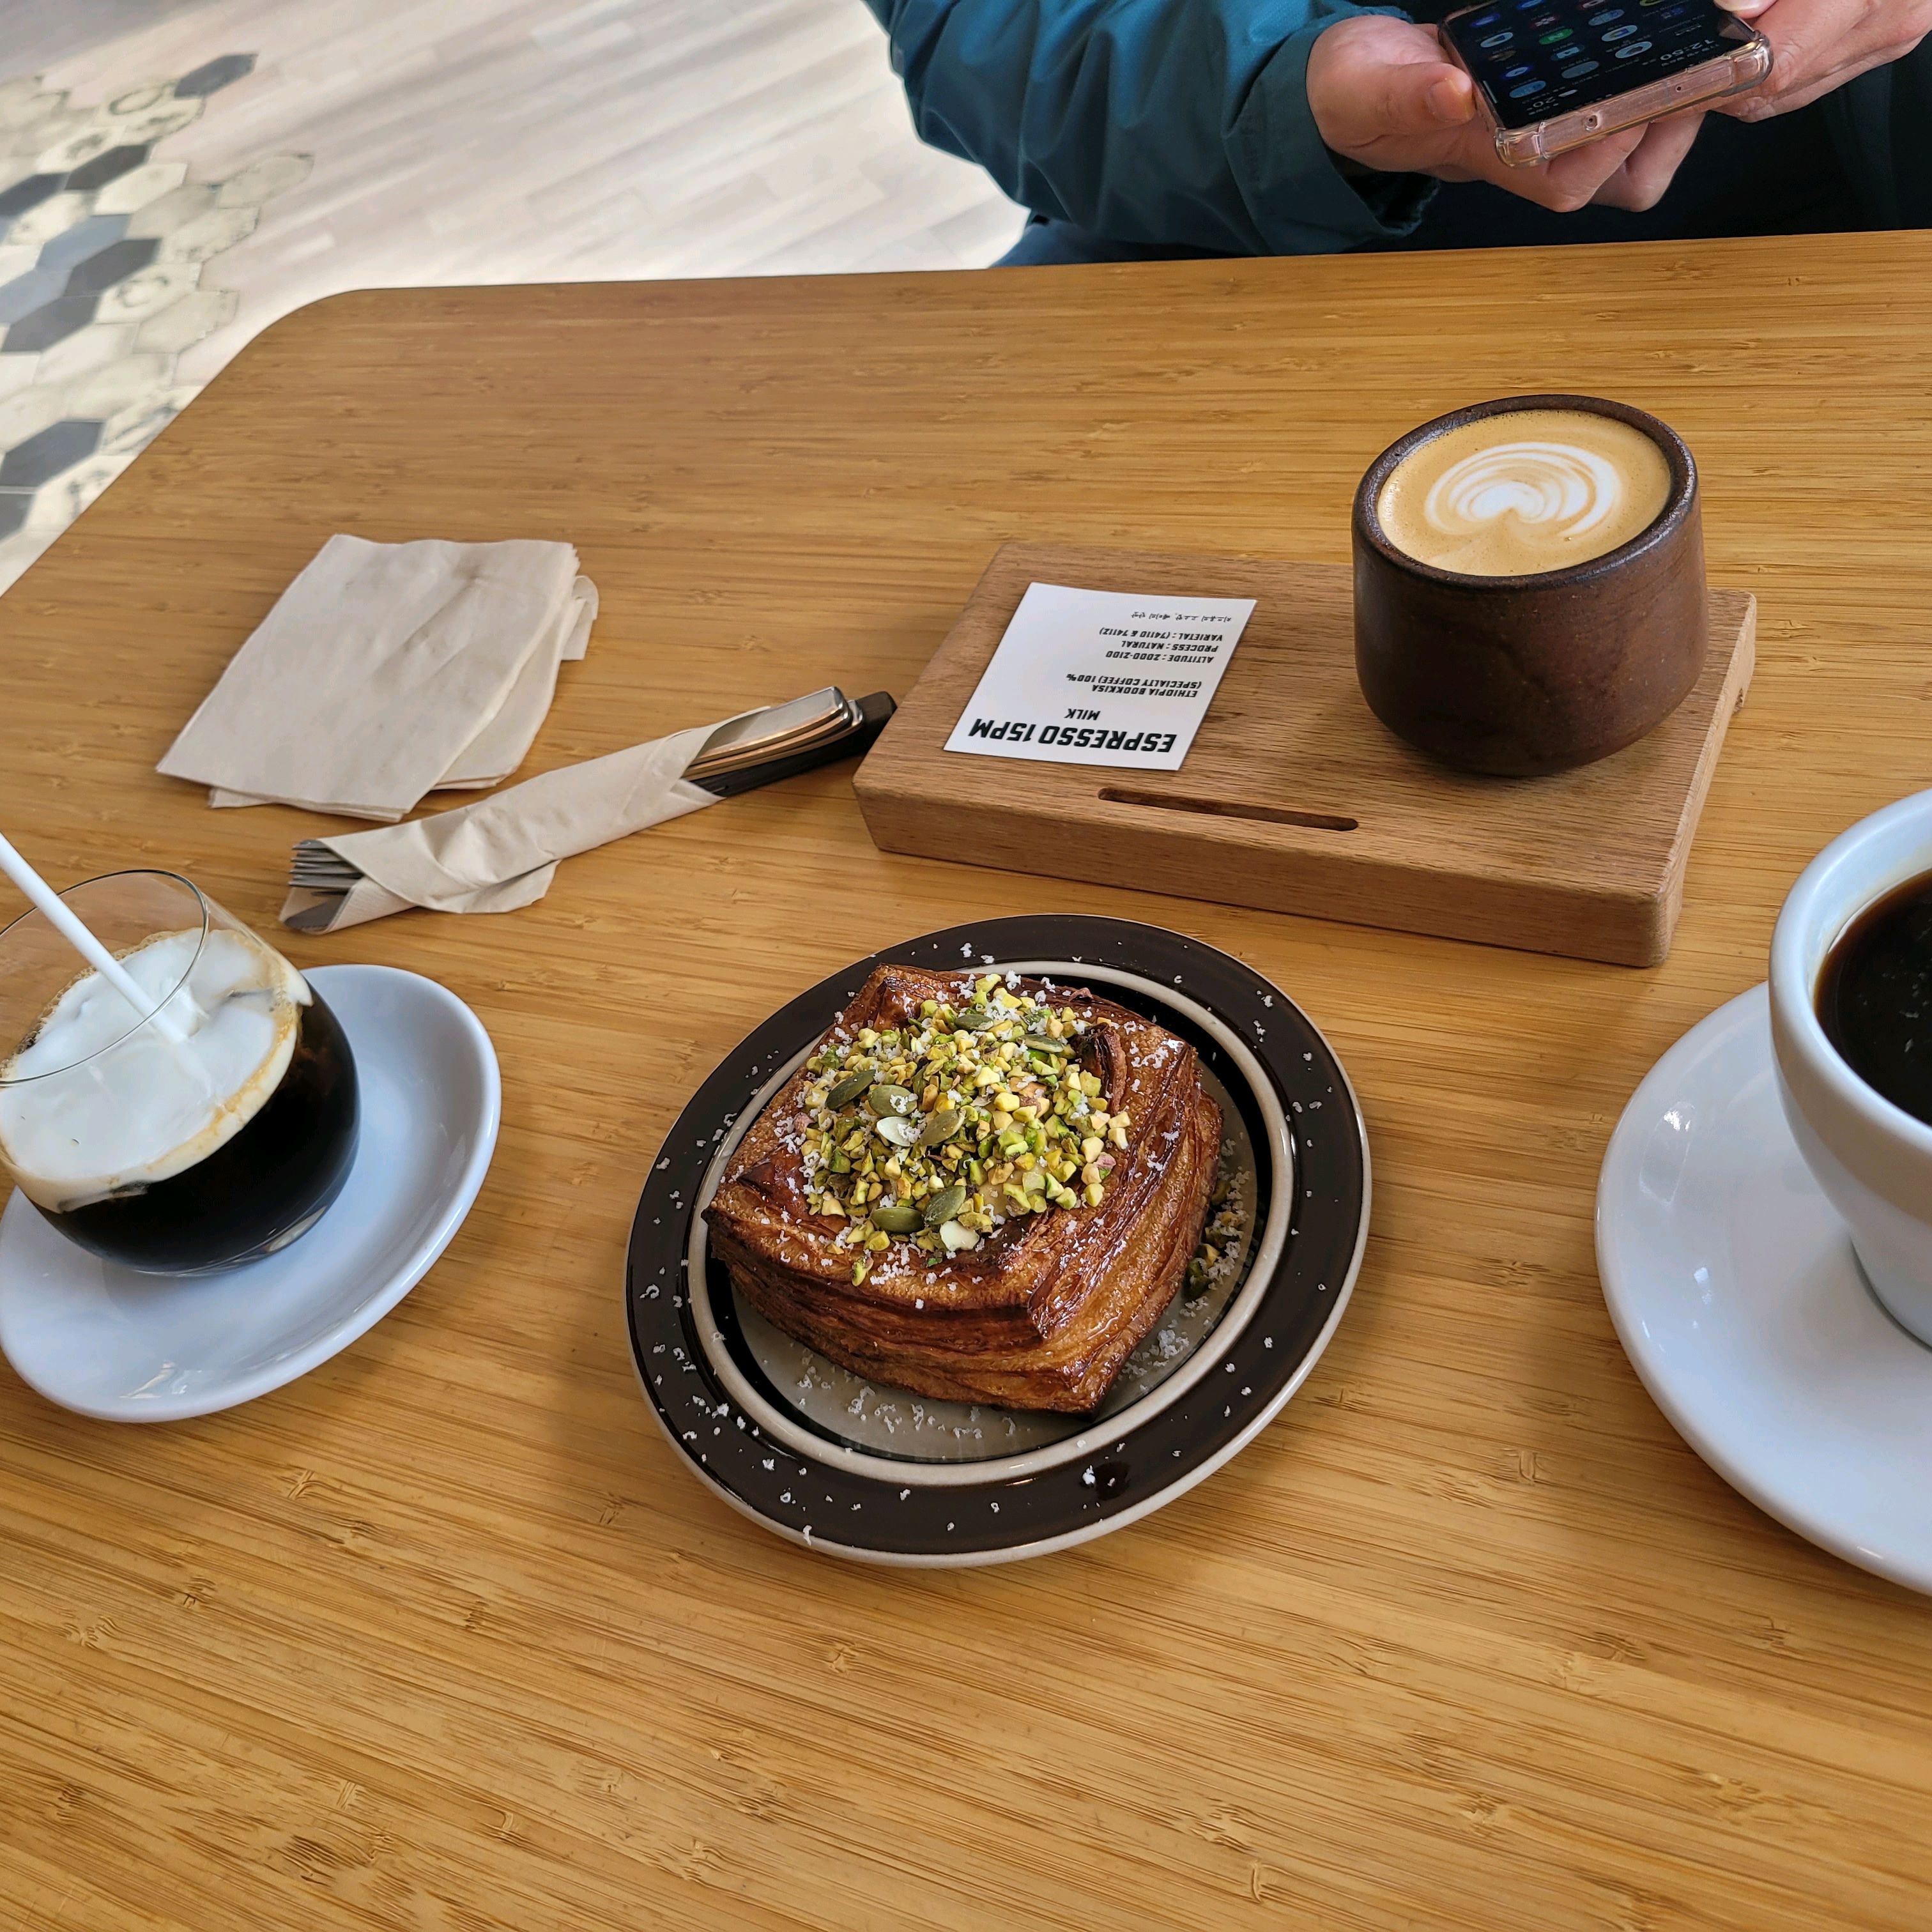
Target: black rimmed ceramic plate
{"points": [[860, 1469]]}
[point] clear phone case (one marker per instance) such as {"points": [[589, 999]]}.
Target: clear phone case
{"points": [[1710, 80]]}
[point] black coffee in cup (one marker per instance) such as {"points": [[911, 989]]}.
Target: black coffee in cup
{"points": [[1874, 996]]}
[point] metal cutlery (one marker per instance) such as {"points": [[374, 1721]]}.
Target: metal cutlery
{"points": [[775, 742]]}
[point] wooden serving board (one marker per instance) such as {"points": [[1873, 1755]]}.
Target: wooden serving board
{"points": [[1295, 798]]}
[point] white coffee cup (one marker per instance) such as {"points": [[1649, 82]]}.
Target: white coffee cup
{"points": [[1872, 1159]]}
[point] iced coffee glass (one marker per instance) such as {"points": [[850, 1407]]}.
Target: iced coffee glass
{"points": [[208, 1124]]}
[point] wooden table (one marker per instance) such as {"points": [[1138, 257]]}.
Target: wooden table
{"points": [[443, 1636]]}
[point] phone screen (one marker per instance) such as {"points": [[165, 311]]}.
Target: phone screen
{"points": [[1535, 59]]}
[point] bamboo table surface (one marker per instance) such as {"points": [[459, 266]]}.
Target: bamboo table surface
{"points": [[443, 1635]]}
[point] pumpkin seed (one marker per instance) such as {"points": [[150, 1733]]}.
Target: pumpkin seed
{"points": [[849, 1089], [940, 1125], [943, 1207], [898, 1220], [884, 1098], [897, 1130]]}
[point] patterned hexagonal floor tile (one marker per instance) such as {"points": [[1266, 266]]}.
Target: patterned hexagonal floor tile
{"points": [[108, 166], [137, 425], [209, 234], [154, 124], [118, 385], [91, 348], [96, 273], [146, 290], [28, 193], [45, 219], [103, 247], [28, 411], [50, 323], [182, 324], [138, 99], [141, 185], [42, 456], [74, 150], [56, 504], [262, 181], [213, 75], [25, 293], [76, 244], [175, 209]]}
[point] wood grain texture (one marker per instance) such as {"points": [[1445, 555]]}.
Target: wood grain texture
{"points": [[1295, 798], [442, 1636]]}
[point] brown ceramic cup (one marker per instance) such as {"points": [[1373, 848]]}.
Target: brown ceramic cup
{"points": [[1523, 676]]}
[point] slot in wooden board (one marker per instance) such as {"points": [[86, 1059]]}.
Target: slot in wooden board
{"points": [[1295, 798]]}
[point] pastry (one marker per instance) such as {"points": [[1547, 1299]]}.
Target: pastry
{"points": [[985, 1188]]}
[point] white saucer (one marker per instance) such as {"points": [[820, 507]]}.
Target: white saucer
{"points": [[140, 1347], [1736, 1295]]}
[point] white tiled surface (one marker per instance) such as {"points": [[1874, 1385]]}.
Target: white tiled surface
{"points": [[423, 142], [102, 252]]}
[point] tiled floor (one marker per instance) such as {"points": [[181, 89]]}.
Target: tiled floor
{"points": [[102, 250], [176, 175]]}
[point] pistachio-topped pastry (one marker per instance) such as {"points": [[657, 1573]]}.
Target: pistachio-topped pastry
{"points": [[937, 1132], [977, 1186]]}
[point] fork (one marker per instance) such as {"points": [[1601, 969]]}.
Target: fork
{"points": [[743, 753]]}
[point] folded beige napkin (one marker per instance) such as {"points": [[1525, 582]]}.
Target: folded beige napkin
{"points": [[503, 852], [387, 671]]}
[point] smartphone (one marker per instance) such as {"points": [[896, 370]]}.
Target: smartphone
{"points": [[1552, 74]]}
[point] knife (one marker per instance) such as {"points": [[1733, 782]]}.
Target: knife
{"points": [[777, 742]]}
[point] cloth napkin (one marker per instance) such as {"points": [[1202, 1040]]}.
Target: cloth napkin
{"points": [[387, 671], [503, 852]]}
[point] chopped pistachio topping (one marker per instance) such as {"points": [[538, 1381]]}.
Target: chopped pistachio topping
{"points": [[1220, 1239], [934, 1133]]}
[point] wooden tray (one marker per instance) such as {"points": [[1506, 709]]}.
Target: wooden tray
{"points": [[1295, 798]]}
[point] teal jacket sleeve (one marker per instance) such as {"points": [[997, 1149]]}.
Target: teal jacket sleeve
{"points": [[1175, 122]]}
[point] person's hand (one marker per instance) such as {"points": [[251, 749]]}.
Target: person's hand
{"points": [[1384, 94], [1818, 45]]}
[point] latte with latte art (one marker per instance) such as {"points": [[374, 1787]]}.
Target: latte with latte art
{"points": [[1522, 494]]}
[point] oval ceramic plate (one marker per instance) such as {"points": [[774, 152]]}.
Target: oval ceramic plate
{"points": [[125, 1347], [1738, 1299], [864, 1470]]}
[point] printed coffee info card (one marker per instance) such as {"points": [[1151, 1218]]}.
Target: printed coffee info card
{"points": [[1101, 677]]}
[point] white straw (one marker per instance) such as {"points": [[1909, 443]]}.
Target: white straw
{"points": [[60, 916]]}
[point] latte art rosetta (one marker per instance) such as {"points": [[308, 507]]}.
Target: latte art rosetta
{"points": [[1530, 491], [1567, 490]]}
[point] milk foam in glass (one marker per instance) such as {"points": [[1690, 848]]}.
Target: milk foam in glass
{"points": [[211, 1127]]}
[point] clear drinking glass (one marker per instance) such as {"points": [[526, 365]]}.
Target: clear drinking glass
{"points": [[210, 1125]]}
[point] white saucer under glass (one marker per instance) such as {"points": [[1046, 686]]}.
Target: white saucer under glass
{"points": [[103, 1339], [1735, 1293]]}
